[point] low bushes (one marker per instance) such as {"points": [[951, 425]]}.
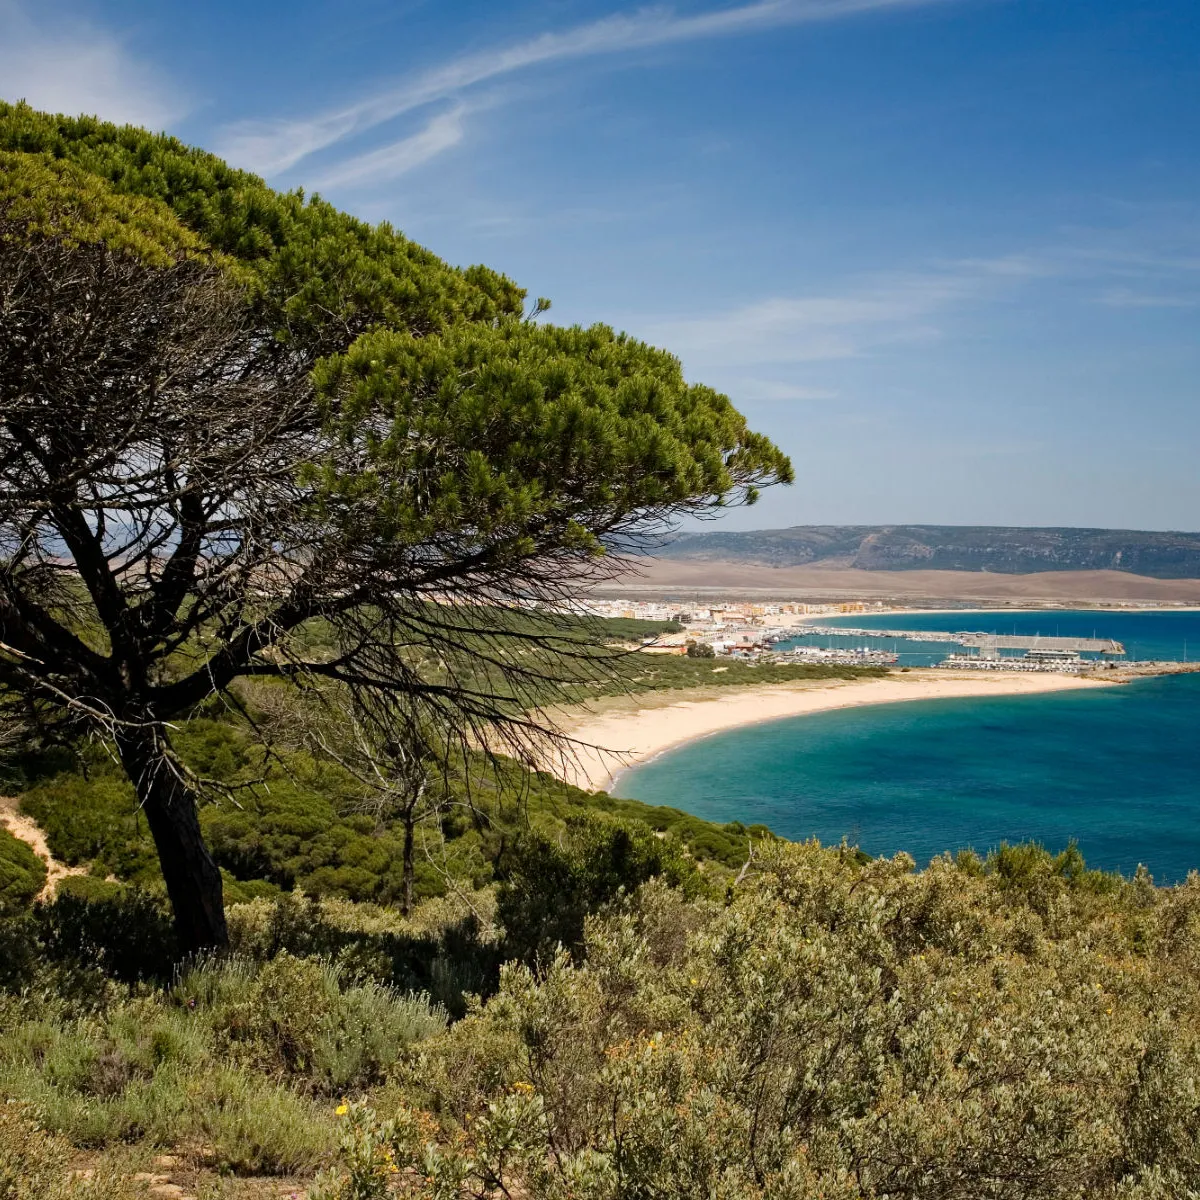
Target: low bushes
{"points": [[727, 845], [446, 949], [1015, 1028], [94, 819], [549, 888], [300, 1020], [121, 931], [293, 826], [238, 1122], [35, 1165], [659, 672], [147, 1072], [91, 932], [239, 1057], [22, 873]]}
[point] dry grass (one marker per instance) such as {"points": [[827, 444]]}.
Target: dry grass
{"points": [[815, 582]]}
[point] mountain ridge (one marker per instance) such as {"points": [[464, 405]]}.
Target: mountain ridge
{"points": [[998, 549]]}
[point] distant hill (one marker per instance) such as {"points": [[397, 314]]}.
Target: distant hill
{"points": [[1005, 551]]}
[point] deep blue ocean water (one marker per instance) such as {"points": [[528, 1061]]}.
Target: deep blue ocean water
{"points": [[1117, 768]]}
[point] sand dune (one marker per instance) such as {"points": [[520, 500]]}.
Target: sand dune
{"points": [[620, 732], [685, 577]]}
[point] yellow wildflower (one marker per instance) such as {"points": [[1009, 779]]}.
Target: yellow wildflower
{"points": [[342, 1109]]}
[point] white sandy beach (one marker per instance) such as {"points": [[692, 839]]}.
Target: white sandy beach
{"points": [[628, 730]]}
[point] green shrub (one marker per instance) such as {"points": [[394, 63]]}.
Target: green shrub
{"points": [[103, 1079], [845, 1029], [295, 824], [445, 949], [35, 1165], [18, 951], [120, 930], [251, 1125], [239, 891], [293, 836], [148, 1071], [1030, 871], [94, 819], [548, 890], [257, 1128], [727, 845], [296, 1019], [663, 672], [372, 1152], [22, 873], [31, 1162], [229, 1059]]}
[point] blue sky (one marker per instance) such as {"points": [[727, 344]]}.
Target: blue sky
{"points": [[946, 252]]}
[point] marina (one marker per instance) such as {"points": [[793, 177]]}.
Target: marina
{"points": [[989, 645], [860, 656], [1031, 660]]}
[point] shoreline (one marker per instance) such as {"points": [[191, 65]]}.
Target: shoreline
{"points": [[611, 738]]}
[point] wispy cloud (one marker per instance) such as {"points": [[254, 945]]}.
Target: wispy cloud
{"points": [[1016, 266], [778, 392], [77, 69], [1122, 297], [391, 161], [790, 329], [872, 314], [273, 146]]}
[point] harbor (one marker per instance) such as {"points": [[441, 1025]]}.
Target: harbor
{"points": [[859, 656], [796, 633], [988, 644]]}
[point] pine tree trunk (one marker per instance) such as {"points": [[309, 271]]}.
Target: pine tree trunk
{"points": [[409, 824], [193, 880]]}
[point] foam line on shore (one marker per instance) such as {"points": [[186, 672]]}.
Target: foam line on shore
{"points": [[631, 730]]}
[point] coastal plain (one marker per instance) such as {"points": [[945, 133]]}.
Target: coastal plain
{"points": [[681, 577]]}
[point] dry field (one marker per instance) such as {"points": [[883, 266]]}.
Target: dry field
{"points": [[700, 578]]}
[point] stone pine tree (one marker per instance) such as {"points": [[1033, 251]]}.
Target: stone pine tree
{"points": [[242, 434]]}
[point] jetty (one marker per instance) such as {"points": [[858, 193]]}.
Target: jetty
{"points": [[988, 645]]}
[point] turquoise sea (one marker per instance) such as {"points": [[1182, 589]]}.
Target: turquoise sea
{"points": [[1146, 635], [1117, 768]]}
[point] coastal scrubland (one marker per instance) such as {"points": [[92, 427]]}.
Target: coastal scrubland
{"points": [[591, 998], [610, 1020]]}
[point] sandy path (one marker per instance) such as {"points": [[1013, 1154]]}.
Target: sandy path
{"points": [[619, 733], [22, 827]]}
